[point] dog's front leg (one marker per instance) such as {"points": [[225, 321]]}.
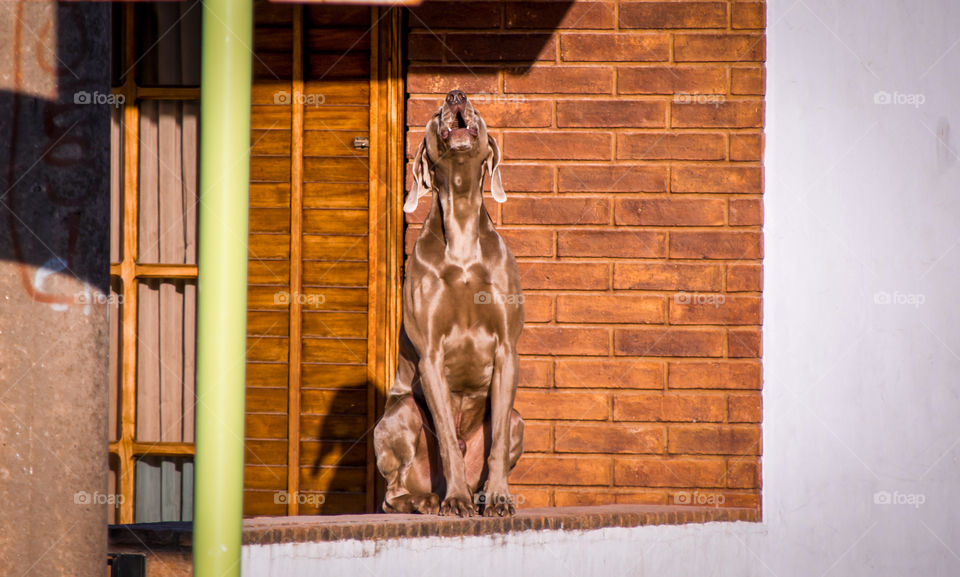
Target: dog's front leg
{"points": [[457, 500], [503, 391]]}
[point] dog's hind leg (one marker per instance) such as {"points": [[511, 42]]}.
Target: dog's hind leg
{"points": [[400, 443], [403, 458]]}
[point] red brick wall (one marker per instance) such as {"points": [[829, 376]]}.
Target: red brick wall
{"points": [[633, 139]]}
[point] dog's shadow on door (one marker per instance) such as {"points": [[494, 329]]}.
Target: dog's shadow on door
{"points": [[334, 464]]}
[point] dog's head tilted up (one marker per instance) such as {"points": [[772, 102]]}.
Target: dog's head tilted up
{"points": [[457, 133]]}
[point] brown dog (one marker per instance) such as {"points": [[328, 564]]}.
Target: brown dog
{"points": [[449, 423]]}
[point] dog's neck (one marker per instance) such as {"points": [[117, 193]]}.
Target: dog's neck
{"points": [[460, 194]]}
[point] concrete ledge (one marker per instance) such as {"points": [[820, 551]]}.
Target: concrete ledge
{"points": [[177, 537]]}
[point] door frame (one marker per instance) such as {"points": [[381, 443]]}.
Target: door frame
{"points": [[387, 170]]}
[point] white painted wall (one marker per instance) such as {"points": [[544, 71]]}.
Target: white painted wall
{"points": [[862, 205]]}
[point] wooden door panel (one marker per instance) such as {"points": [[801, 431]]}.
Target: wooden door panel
{"points": [[335, 324], [323, 273], [329, 221], [335, 195], [308, 399], [270, 195]]}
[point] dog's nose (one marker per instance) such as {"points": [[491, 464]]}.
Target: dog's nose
{"points": [[455, 97]]}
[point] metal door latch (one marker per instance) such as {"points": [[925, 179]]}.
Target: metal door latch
{"points": [[361, 143]]}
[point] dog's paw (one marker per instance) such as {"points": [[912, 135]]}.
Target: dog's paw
{"points": [[427, 504], [498, 504], [459, 505]]}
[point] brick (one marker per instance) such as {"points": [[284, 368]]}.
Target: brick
{"points": [[610, 308], [611, 114], [743, 473], [724, 47], [441, 79], [744, 277], [669, 407], [557, 146], [746, 147], [672, 80], [608, 373], [612, 243], [748, 81], [535, 373], [714, 375], [499, 47], [562, 470], [746, 212], [419, 111], [609, 438], [714, 440], [613, 178], [641, 498], [561, 405], [657, 15], [667, 472], [502, 112], [744, 343], [729, 114], [528, 497], [560, 80], [435, 15], [744, 179], [564, 275], [668, 342], [671, 146], [554, 210], [556, 15], [716, 245], [745, 408], [566, 498], [663, 276], [704, 309], [609, 46], [749, 500], [528, 242], [749, 15], [526, 178], [425, 47], [537, 436], [669, 212], [537, 308], [548, 340]]}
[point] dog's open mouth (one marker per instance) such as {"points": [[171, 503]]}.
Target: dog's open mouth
{"points": [[458, 128]]}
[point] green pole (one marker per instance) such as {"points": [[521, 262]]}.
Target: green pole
{"points": [[222, 290]]}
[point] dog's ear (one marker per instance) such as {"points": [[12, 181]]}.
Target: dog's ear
{"points": [[421, 179], [493, 169]]}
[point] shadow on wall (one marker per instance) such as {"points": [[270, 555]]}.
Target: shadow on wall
{"points": [[446, 32], [54, 200]]}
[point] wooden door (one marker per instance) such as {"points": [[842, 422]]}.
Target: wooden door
{"points": [[323, 255]]}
